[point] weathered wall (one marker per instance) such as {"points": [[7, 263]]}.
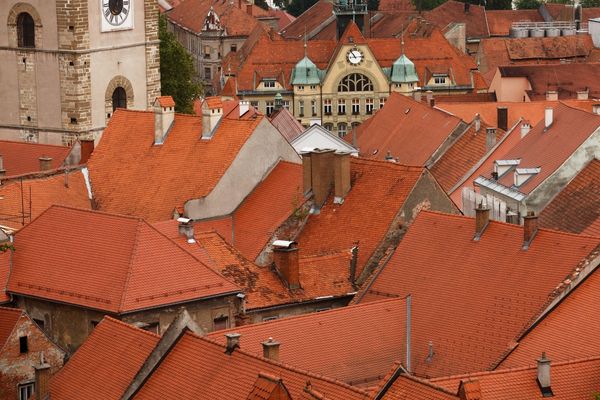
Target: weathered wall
{"points": [[17, 368], [259, 315]]}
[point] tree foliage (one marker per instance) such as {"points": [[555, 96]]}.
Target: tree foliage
{"points": [[262, 4], [297, 7], [176, 71], [424, 5], [373, 5], [590, 3], [528, 4]]}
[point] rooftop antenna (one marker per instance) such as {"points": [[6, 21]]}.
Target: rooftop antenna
{"points": [[305, 43]]}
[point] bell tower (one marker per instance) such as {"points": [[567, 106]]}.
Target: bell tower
{"points": [[349, 10]]}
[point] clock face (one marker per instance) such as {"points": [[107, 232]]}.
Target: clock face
{"points": [[355, 56], [117, 14]]}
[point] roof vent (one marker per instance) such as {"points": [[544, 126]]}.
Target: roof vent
{"points": [[233, 342], [271, 349], [543, 376], [548, 117]]}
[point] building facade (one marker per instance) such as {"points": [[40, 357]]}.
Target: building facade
{"points": [[67, 64]]}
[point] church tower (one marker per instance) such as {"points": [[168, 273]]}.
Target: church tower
{"points": [[349, 10], [67, 64]]}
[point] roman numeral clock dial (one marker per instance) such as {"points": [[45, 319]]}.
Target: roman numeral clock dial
{"points": [[116, 14]]}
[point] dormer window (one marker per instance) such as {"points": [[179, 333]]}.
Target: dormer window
{"points": [[522, 175], [439, 80], [300, 87], [501, 167], [269, 83]]}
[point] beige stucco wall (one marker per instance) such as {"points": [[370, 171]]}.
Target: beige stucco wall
{"points": [[510, 89]]}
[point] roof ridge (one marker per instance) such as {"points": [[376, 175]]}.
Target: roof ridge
{"points": [[130, 267], [99, 212], [280, 364], [363, 160], [36, 144], [108, 318], [428, 383], [11, 309]]}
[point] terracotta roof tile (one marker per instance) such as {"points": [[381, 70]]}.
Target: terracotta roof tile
{"points": [[395, 128], [8, 320], [22, 158], [230, 376], [105, 364], [472, 298], [126, 190], [118, 268], [500, 21], [268, 387], [454, 11], [166, 101], [366, 214], [308, 20], [410, 387], [44, 191], [287, 124], [577, 207]]}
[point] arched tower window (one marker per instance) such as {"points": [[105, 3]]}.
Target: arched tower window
{"points": [[119, 98], [355, 83], [25, 30]]}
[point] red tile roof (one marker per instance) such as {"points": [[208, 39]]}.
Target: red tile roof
{"points": [[22, 158], [454, 11], [577, 207], [309, 20], [283, 18], [333, 343], [42, 193], [570, 380], [166, 101], [400, 386], [8, 320], [397, 126], [462, 156], [118, 268], [500, 21], [229, 376], [287, 124], [366, 214], [470, 298], [268, 387], [105, 364], [396, 5], [126, 190]]}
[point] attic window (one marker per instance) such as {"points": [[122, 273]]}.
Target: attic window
{"points": [[23, 345], [269, 83], [439, 80]]}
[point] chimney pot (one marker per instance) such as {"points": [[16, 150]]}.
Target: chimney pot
{"points": [[482, 218], [596, 109], [530, 227], [551, 95], [502, 116], [271, 349], [490, 138], [244, 107], [285, 257], [525, 128], [548, 117], [186, 229], [45, 163], [233, 342], [543, 375]]}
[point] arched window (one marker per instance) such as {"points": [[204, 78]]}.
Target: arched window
{"points": [[355, 83], [25, 30], [119, 98], [342, 129]]}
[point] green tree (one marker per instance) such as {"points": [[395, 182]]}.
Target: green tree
{"points": [[424, 5], [498, 4], [528, 4], [297, 7], [373, 5], [262, 4], [176, 71], [590, 3]]}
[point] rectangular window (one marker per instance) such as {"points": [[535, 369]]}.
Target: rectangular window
{"points": [[369, 106], [381, 102], [342, 129], [327, 106], [207, 73], [233, 47], [221, 322], [341, 107], [254, 104], [286, 104], [270, 107], [206, 51], [313, 107], [355, 106], [23, 345], [439, 80], [25, 391], [269, 84], [301, 108]]}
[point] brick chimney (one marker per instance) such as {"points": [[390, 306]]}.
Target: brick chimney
{"points": [[543, 376], [164, 115], [321, 173], [233, 342], [482, 218], [2, 170], [502, 118], [271, 349], [249, 9], [212, 111], [341, 176], [490, 138], [42, 379], [87, 147], [285, 257], [530, 228], [45, 163]]}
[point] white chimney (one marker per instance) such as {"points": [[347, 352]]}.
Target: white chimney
{"points": [[212, 111], [490, 138], [244, 107], [552, 95], [477, 121], [525, 128], [596, 109], [164, 115], [583, 94], [548, 117], [543, 375]]}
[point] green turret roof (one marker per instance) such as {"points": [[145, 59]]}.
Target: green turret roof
{"points": [[305, 73], [403, 71]]}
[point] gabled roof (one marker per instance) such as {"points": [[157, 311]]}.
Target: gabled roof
{"points": [[309, 20], [471, 298], [286, 123], [184, 167], [68, 189], [8, 319], [577, 207], [268, 387], [500, 21], [367, 212], [107, 262], [105, 364], [322, 138], [398, 385], [570, 380], [454, 11], [229, 376], [411, 131], [22, 158]]}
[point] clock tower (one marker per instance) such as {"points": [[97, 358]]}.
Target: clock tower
{"points": [[68, 64]]}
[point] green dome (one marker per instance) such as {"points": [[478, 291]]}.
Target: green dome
{"points": [[305, 73], [403, 71]]}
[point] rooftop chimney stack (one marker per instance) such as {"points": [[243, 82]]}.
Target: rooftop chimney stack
{"points": [[249, 9], [2, 170], [430, 99], [285, 257], [87, 148], [502, 113], [212, 111], [42, 379], [482, 218], [164, 115], [596, 109], [233, 342], [551, 95], [525, 128], [467, 6], [543, 375], [322, 171], [477, 121], [530, 228], [341, 176], [490, 138], [186, 229], [271, 349], [417, 96], [548, 117], [583, 94], [45, 163], [244, 107]]}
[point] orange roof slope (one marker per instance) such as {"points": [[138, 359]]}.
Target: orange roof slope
{"points": [[119, 267], [335, 343], [8, 320], [63, 189], [454, 11], [462, 156], [366, 214], [550, 148], [309, 20], [287, 124], [22, 158], [409, 130], [577, 207], [105, 364], [568, 332], [401, 386], [125, 173], [471, 298], [223, 376], [500, 21], [571, 380]]}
